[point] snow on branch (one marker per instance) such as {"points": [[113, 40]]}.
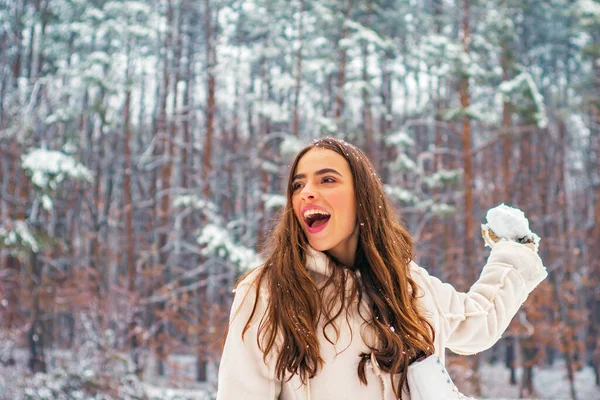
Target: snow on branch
{"points": [[49, 168], [589, 11], [269, 166], [443, 210], [445, 56], [274, 111], [273, 201], [218, 242], [577, 126], [400, 139], [400, 194], [403, 163], [326, 124], [472, 112], [63, 114], [442, 177], [207, 207], [439, 47], [523, 93], [439, 209], [17, 234], [98, 57], [195, 202], [366, 34]]}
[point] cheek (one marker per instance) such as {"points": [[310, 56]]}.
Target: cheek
{"points": [[295, 208], [344, 204]]}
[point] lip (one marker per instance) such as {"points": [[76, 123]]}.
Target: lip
{"points": [[308, 228]]}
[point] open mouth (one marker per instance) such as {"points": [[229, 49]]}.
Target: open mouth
{"points": [[316, 220]]}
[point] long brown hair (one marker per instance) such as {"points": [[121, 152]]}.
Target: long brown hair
{"points": [[295, 305]]}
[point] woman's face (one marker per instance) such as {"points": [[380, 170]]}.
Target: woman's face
{"points": [[324, 204]]}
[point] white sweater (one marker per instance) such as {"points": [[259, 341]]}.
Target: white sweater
{"points": [[466, 323]]}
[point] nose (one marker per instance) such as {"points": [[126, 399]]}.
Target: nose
{"points": [[308, 192]]}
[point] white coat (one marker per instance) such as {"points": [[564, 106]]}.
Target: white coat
{"points": [[466, 323]]}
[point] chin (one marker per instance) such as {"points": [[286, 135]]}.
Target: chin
{"points": [[319, 246]]}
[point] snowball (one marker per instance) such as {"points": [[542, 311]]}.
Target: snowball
{"points": [[510, 223]]}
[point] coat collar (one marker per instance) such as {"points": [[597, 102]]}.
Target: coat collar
{"points": [[318, 262]]}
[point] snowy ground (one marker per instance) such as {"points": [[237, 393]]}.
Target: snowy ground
{"points": [[178, 382], [550, 383]]}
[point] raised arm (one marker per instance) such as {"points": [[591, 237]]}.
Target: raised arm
{"points": [[474, 321]]}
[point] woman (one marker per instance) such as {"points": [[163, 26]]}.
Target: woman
{"points": [[339, 310]]}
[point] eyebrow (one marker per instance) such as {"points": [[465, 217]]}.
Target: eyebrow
{"points": [[319, 172]]}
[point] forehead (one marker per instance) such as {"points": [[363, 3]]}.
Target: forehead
{"points": [[317, 158]]}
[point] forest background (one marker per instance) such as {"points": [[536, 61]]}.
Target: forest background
{"points": [[144, 147]]}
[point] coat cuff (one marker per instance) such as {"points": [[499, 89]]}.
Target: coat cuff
{"points": [[524, 260]]}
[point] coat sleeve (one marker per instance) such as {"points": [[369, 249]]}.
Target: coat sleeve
{"points": [[243, 374], [472, 322]]}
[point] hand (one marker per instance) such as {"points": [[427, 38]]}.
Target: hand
{"points": [[491, 238]]}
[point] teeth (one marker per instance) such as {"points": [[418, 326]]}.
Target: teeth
{"points": [[309, 213]]}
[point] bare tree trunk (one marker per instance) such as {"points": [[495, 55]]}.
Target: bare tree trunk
{"points": [[528, 345], [96, 253], [506, 125], [561, 279], [595, 261], [211, 32], [568, 292], [128, 211], [231, 209], [595, 267], [469, 224], [366, 94], [298, 71], [4, 79], [265, 127], [163, 184], [510, 359], [385, 122], [17, 188], [594, 232], [18, 43], [507, 191], [466, 148], [172, 78], [211, 84], [341, 81], [186, 151], [32, 40], [36, 332], [45, 16]]}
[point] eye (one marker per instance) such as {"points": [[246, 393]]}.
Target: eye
{"points": [[296, 186], [328, 180]]}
